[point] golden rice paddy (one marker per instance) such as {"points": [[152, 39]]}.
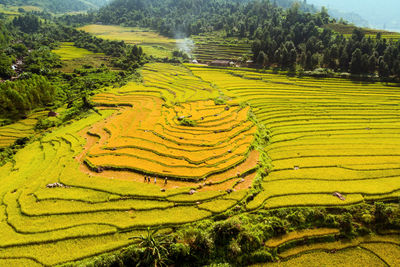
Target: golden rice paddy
{"points": [[203, 167]]}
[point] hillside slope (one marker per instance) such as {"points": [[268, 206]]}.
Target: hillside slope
{"points": [[57, 6]]}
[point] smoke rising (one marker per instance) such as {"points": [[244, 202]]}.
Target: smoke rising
{"points": [[185, 44]]}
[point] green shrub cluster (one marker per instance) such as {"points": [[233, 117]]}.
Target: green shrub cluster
{"points": [[187, 122], [19, 97], [238, 239]]}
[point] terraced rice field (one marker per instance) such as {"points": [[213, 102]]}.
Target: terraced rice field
{"points": [[326, 136], [74, 57], [100, 163], [320, 247], [67, 51], [364, 251], [347, 31], [204, 48], [21, 129], [151, 42], [210, 48]]}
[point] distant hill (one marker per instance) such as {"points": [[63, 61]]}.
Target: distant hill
{"points": [[379, 14], [57, 6]]}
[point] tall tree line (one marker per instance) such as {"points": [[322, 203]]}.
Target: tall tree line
{"points": [[285, 37], [29, 69]]}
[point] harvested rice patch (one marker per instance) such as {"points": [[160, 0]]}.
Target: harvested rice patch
{"points": [[246, 182]]}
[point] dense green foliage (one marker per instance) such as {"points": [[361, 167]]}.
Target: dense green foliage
{"points": [[186, 17], [57, 6], [26, 44], [302, 42], [290, 39], [286, 38], [19, 97], [238, 239]]}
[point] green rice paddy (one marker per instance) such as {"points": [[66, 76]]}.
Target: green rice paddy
{"points": [[74, 57]]}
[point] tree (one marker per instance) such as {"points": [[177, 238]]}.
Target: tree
{"points": [[309, 63], [383, 68], [28, 23], [292, 58], [364, 63], [6, 72], [357, 35], [315, 59], [396, 68], [256, 47], [303, 59], [344, 61], [153, 247], [324, 15], [356, 63], [262, 58], [372, 62]]}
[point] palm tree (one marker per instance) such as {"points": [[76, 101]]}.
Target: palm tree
{"points": [[153, 248]]}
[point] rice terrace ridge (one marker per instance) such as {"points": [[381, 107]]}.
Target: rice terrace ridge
{"points": [[196, 133]]}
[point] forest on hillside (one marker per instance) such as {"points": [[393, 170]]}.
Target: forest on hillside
{"points": [[57, 6], [30, 69], [295, 39], [292, 38], [110, 156]]}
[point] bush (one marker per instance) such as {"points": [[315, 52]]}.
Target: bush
{"points": [[219, 101], [280, 227], [44, 124], [192, 245], [225, 231], [249, 241], [346, 225], [187, 122], [261, 256]]}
